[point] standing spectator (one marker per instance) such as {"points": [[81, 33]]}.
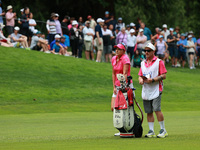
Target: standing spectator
{"points": [[51, 28], [138, 25], [177, 31], [99, 39], [74, 39], [106, 18], [157, 35], [24, 30], [112, 21], [113, 39], [81, 41], [32, 24], [191, 49], [132, 25], [141, 39], [122, 36], [165, 31], [147, 31], [120, 24], [107, 46], [182, 44], [18, 39], [173, 51], [161, 47], [58, 25], [10, 20], [70, 24], [131, 41], [80, 22], [128, 28], [88, 34], [198, 51], [64, 25], [92, 22], [2, 13]]}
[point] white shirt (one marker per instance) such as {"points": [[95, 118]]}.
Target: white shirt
{"points": [[88, 30], [32, 21], [131, 41], [107, 32], [127, 32], [166, 34]]}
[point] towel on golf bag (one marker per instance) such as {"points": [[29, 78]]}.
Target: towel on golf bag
{"points": [[130, 97], [120, 101]]}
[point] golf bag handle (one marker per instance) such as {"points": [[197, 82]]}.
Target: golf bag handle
{"points": [[139, 109]]}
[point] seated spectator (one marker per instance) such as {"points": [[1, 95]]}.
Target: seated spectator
{"points": [[10, 20], [141, 40], [131, 42], [18, 39], [57, 37], [120, 24], [51, 28], [122, 36], [38, 43], [65, 47], [182, 44], [88, 34], [57, 48], [137, 59], [3, 40], [161, 47]]}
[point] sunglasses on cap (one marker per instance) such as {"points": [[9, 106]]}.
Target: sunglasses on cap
{"points": [[123, 44], [147, 51]]}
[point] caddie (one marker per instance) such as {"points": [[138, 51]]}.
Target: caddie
{"points": [[151, 76]]}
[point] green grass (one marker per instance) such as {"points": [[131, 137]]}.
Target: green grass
{"points": [[72, 106]]}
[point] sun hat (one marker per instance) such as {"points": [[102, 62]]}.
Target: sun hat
{"points": [[132, 31], [132, 24], [57, 36], [151, 46], [9, 7], [74, 22], [100, 20], [16, 28], [120, 46], [141, 30], [164, 26]]}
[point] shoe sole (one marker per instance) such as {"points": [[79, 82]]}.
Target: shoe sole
{"points": [[150, 136]]}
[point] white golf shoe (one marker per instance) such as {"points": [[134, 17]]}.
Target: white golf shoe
{"points": [[150, 134], [163, 133]]}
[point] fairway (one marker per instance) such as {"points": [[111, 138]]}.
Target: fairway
{"points": [[55, 102]]}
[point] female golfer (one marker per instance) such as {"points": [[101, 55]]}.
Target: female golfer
{"points": [[121, 64]]}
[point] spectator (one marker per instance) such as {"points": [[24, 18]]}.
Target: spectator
{"points": [[172, 40], [131, 42], [106, 18], [99, 39], [57, 48], [132, 25], [161, 47], [107, 45], [80, 21], [24, 30], [198, 51], [147, 31], [88, 33], [182, 44], [58, 25], [81, 41], [64, 25], [122, 36], [165, 31], [92, 22], [51, 28], [38, 43], [157, 35], [137, 59], [62, 43], [191, 49], [112, 21], [120, 24], [32, 24], [18, 39], [70, 24], [141, 39], [74, 39], [177, 31], [10, 20], [138, 25], [128, 28], [2, 13], [113, 39], [57, 37], [3, 40]]}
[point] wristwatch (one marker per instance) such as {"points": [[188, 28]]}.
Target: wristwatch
{"points": [[153, 80]]}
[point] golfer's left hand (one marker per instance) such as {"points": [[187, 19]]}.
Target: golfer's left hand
{"points": [[148, 80]]}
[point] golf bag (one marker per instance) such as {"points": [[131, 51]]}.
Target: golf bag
{"points": [[125, 119]]}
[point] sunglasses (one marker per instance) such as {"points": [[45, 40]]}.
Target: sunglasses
{"points": [[147, 51]]}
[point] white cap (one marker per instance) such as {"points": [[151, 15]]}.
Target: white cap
{"points": [[57, 36], [141, 30], [164, 26], [132, 31], [35, 31], [189, 36], [151, 46], [132, 24], [22, 9], [100, 20], [74, 22], [120, 18], [171, 29], [16, 28], [57, 15], [9, 7]]}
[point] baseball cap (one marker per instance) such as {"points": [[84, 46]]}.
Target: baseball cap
{"points": [[132, 24], [141, 30], [161, 36], [9, 7], [57, 15], [16, 28], [38, 32], [171, 29], [100, 20], [189, 36], [182, 34], [132, 31], [120, 18], [89, 16], [120, 46], [128, 26], [35, 31], [22, 9], [63, 37], [151, 46], [164, 26], [190, 32], [74, 22], [87, 22], [107, 12], [57, 36]]}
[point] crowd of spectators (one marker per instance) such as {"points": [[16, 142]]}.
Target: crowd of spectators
{"points": [[97, 37]]}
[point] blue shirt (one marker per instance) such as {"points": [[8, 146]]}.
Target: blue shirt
{"points": [[181, 48], [52, 44], [1, 18], [98, 29], [56, 47], [148, 33]]}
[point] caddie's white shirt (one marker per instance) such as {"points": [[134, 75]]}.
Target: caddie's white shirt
{"points": [[131, 41], [107, 32], [150, 91], [88, 30]]}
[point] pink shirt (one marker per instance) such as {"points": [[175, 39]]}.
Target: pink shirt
{"points": [[11, 22], [162, 70], [118, 66]]}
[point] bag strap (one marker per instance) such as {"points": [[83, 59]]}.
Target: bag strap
{"points": [[139, 109]]}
